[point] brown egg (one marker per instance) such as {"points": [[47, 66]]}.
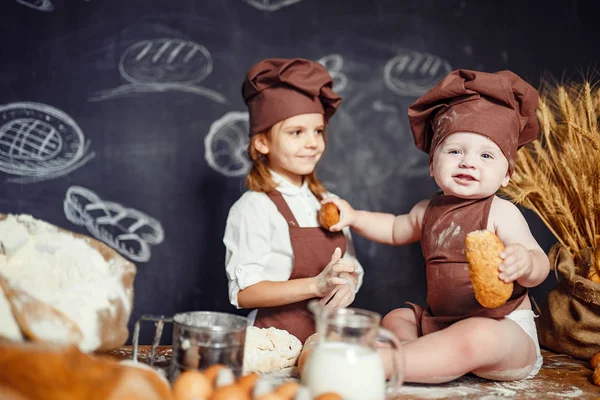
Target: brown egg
{"points": [[192, 385], [329, 215], [212, 371], [231, 392], [287, 390], [248, 381], [329, 396], [271, 396]]}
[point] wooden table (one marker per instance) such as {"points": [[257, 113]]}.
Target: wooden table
{"points": [[561, 377]]}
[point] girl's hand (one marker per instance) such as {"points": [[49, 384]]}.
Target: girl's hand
{"points": [[347, 213], [340, 297], [329, 278], [517, 263]]}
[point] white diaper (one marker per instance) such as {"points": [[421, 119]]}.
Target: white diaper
{"points": [[524, 318]]}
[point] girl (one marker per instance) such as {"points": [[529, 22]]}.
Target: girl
{"points": [[277, 256], [471, 124]]}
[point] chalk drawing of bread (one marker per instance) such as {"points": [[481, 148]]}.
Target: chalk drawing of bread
{"points": [[126, 230], [40, 5], [412, 73], [158, 65], [334, 64], [39, 142], [226, 144], [165, 61], [270, 5]]}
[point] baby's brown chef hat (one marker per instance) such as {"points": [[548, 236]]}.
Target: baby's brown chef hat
{"points": [[278, 88], [498, 105]]}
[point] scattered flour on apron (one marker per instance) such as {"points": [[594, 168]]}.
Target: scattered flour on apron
{"points": [[60, 270]]}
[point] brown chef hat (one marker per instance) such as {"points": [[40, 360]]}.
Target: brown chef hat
{"points": [[278, 88], [498, 105]]}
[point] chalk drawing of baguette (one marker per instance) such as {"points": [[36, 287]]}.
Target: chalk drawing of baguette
{"points": [[411, 73], [39, 142], [226, 144], [126, 230], [159, 65], [270, 5]]}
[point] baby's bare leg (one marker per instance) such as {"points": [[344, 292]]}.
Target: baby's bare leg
{"points": [[496, 349], [402, 323]]}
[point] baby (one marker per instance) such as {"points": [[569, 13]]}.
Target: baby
{"points": [[471, 124]]}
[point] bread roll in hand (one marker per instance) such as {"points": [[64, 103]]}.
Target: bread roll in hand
{"points": [[483, 254], [329, 215]]}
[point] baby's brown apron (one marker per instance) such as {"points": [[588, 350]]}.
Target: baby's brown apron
{"points": [[450, 295], [312, 249]]}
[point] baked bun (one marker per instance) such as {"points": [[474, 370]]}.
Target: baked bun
{"points": [[483, 254], [329, 215]]}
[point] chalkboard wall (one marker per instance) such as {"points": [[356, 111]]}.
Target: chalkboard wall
{"points": [[123, 119]]}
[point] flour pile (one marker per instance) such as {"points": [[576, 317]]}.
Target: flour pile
{"points": [[61, 270]]}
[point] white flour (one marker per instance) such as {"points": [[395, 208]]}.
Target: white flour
{"points": [[60, 270]]}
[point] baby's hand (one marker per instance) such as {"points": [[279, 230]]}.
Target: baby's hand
{"points": [[347, 213], [517, 263]]}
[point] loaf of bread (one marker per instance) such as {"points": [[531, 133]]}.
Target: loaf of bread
{"points": [[329, 215], [46, 371], [483, 249]]}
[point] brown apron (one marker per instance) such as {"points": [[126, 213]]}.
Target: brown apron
{"points": [[450, 295], [312, 249]]}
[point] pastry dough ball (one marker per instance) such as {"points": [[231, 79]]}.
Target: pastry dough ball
{"points": [[595, 360], [483, 254], [269, 350], [329, 215]]}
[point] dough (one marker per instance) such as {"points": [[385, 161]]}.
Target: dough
{"points": [[269, 350], [483, 254], [329, 215]]}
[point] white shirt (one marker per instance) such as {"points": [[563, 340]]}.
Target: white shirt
{"points": [[257, 236]]}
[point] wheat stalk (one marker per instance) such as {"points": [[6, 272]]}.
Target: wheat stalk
{"points": [[558, 176]]}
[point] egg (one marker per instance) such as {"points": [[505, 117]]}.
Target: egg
{"points": [[248, 381], [288, 390], [231, 392], [192, 385], [271, 396], [329, 396], [212, 371]]}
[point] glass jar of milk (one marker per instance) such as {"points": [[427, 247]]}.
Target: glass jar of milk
{"points": [[346, 359]]}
